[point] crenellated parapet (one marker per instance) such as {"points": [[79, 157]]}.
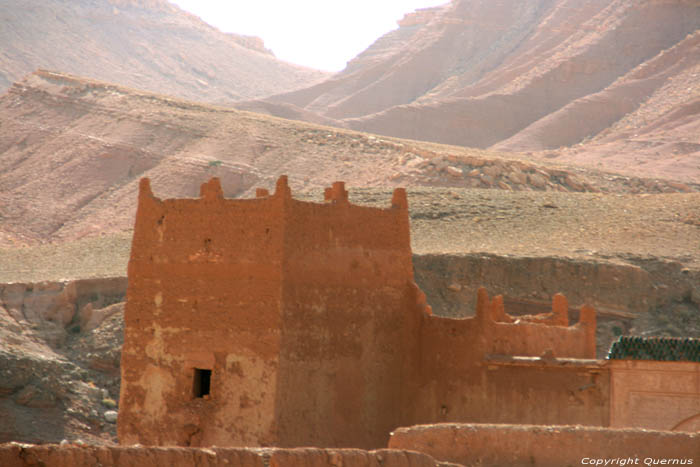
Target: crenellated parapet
{"points": [[492, 331], [534, 335], [243, 312]]}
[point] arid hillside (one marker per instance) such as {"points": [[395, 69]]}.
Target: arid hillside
{"points": [[146, 44], [577, 81], [74, 149]]}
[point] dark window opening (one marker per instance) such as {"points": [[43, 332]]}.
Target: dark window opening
{"points": [[202, 382]]}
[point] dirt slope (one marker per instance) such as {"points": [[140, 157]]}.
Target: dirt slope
{"points": [[661, 131], [73, 151], [531, 76], [149, 44]]}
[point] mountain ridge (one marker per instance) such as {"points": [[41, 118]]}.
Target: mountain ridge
{"points": [[542, 77], [74, 149], [146, 44]]}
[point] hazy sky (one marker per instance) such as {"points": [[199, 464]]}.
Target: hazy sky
{"points": [[322, 34]]}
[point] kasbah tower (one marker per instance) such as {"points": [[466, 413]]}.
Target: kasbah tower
{"points": [[278, 322]]}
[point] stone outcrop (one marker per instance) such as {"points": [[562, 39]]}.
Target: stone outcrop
{"points": [[57, 340], [57, 307], [419, 17]]}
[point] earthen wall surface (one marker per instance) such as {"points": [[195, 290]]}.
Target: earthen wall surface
{"points": [[547, 446], [656, 395], [349, 325], [303, 312], [463, 379], [204, 292], [22, 455]]}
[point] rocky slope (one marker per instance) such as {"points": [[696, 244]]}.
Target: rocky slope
{"points": [[59, 360], [74, 149], [532, 76], [146, 44]]}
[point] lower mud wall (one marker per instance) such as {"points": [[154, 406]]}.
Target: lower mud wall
{"points": [[532, 393], [656, 395], [464, 382], [451, 281], [21, 455], [624, 294], [548, 446]]}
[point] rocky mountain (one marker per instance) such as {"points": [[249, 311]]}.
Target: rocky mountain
{"points": [[145, 44], [602, 77]]}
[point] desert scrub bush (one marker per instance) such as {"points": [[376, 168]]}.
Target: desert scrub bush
{"points": [[109, 403]]}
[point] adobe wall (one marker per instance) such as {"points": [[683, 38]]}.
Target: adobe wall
{"points": [[24, 455], [305, 313], [548, 446], [315, 333], [350, 324], [204, 292], [468, 374], [656, 395]]}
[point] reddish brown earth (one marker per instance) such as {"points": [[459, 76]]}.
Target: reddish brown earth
{"points": [[615, 81], [605, 84], [145, 44], [73, 150], [548, 446], [80, 455]]}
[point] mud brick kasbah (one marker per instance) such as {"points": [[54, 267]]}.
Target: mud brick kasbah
{"points": [[278, 322]]}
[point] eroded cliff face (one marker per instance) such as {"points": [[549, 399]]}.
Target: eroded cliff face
{"points": [[532, 76], [59, 359], [145, 44]]}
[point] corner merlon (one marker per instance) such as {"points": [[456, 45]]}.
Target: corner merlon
{"points": [[211, 190]]}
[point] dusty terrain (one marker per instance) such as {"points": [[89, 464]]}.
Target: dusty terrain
{"points": [[146, 44], [74, 150], [602, 203], [602, 84], [611, 84]]}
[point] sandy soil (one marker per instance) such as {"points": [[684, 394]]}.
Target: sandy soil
{"points": [[587, 226]]}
